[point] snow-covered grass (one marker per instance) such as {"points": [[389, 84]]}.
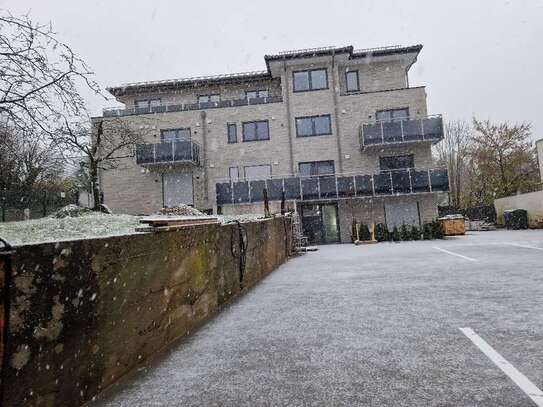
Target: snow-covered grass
{"points": [[85, 226], [69, 228]]}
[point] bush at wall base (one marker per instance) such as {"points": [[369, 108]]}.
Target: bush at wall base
{"points": [[395, 234], [405, 232], [427, 231], [415, 233], [364, 232]]}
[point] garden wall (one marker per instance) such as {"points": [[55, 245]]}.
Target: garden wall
{"points": [[532, 202], [83, 313]]}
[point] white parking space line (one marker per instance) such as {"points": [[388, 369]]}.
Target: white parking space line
{"points": [[525, 246], [518, 378], [454, 254]]}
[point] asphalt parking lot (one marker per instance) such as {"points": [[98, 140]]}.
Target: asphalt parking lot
{"points": [[375, 325]]}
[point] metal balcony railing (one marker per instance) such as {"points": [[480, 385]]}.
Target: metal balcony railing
{"points": [[335, 186], [164, 108], [168, 152], [407, 130]]}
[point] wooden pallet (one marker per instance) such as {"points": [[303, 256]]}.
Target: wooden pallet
{"points": [[165, 224]]}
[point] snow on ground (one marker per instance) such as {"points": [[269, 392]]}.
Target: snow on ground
{"points": [[68, 228]]}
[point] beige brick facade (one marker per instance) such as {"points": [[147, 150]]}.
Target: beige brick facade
{"points": [[383, 85]]}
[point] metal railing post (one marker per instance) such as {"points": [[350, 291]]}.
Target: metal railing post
{"points": [[154, 153], [429, 180], [422, 128], [410, 182], [174, 142], [373, 185], [391, 183], [382, 133], [401, 130]]}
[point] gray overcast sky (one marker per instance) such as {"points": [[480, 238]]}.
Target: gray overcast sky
{"points": [[480, 58]]}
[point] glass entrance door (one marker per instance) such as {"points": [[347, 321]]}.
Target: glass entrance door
{"points": [[320, 223], [329, 223]]}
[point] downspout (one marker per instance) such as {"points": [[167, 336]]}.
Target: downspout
{"points": [[203, 116], [335, 90], [286, 93]]}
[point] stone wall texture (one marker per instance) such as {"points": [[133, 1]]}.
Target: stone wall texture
{"points": [[84, 313]]}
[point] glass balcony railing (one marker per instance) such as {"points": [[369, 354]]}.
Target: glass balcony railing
{"points": [[337, 186], [181, 107], [168, 152], [408, 130]]}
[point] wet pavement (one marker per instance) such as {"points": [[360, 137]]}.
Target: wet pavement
{"points": [[374, 325]]}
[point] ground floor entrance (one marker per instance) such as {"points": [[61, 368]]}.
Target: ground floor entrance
{"points": [[320, 222]]}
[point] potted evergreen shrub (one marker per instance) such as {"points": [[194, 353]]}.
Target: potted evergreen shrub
{"points": [[395, 234], [405, 233], [415, 233]]}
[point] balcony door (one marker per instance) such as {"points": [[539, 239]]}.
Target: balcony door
{"points": [[177, 188]]}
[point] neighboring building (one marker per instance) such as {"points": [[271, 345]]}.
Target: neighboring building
{"points": [[336, 130], [539, 145]]}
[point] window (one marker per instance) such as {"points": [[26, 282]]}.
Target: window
{"points": [[316, 168], [254, 94], [232, 130], [147, 103], [175, 134], [257, 171], [253, 131], [209, 98], [313, 126], [352, 81], [397, 162], [392, 114], [313, 79], [233, 173]]}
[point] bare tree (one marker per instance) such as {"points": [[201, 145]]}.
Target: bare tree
{"points": [[100, 146], [454, 152], [39, 76], [503, 158]]}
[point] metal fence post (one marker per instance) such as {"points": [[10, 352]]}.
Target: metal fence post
{"points": [[44, 203]]}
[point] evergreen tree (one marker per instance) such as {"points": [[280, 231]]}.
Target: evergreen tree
{"points": [[395, 234], [415, 233], [405, 232], [365, 232], [427, 231]]}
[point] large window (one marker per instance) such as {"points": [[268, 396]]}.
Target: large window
{"points": [[392, 114], [313, 126], [255, 94], [257, 171], [397, 162], [147, 103], [352, 81], [209, 98], [253, 131], [313, 79], [315, 168], [175, 134], [232, 130]]}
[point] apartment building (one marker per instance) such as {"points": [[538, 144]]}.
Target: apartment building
{"points": [[337, 132]]}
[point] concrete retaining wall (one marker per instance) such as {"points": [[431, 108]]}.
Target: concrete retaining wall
{"points": [[83, 313], [532, 202]]}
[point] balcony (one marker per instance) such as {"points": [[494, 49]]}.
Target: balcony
{"points": [[165, 108], [337, 186], [177, 152], [378, 134]]}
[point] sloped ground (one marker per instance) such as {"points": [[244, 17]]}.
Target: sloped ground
{"points": [[370, 325]]}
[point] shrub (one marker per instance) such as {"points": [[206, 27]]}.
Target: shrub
{"points": [[437, 229], [395, 234], [405, 232], [380, 235], [415, 233], [365, 232], [427, 231]]}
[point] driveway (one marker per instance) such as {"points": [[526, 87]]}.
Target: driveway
{"points": [[376, 325]]}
